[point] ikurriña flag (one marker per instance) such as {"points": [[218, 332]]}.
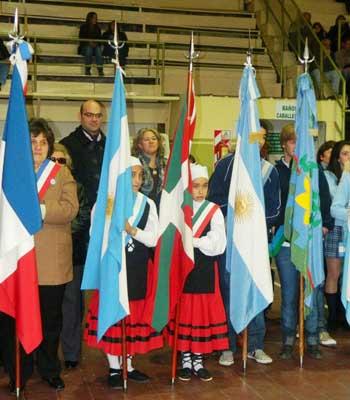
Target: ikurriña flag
{"points": [[20, 211]]}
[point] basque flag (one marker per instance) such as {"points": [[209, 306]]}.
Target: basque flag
{"points": [[20, 215]]}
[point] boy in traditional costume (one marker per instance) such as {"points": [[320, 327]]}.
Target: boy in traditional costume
{"points": [[142, 230]]}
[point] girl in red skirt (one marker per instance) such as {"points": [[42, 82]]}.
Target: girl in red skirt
{"points": [[140, 337], [202, 320]]}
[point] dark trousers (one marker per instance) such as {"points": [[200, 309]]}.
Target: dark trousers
{"points": [[48, 363], [8, 350], [73, 311], [51, 299]]}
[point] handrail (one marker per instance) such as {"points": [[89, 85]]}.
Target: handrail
{"points": [[296, 45]]}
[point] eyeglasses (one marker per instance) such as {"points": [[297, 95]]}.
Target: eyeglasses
{"points": [[92, 115], [59, 160]]}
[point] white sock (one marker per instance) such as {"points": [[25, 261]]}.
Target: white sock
{"points": [[113, 362], [129, 362], [197, 361], [186, 360]]}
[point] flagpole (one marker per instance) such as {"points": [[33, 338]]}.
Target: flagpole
{"points": [[18, 367], [305, 61], [301, 320], [245, 350], [124, 357], [176, 335]]}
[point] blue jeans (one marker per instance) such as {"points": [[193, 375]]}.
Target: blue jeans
{"points": [[331, 76], [289, 278], [256, 328], [322, 324], [88, 52], [4, 70]]}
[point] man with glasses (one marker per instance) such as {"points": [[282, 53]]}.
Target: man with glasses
{"points": [[86, 147]]}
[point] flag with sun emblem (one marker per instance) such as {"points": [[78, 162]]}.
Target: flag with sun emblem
{"points": [[247, 254], [303, 222]]}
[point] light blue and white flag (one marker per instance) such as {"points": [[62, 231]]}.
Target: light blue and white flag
{"points": [[105, 268], [247, 254]]}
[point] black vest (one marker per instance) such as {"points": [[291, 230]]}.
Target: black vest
{"points": [[202, 278], [137, 257]]}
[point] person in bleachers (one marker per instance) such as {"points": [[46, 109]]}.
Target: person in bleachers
{"points": [[329, 72], [109, 51], [73, 300], [88, 48], [298, 30], [319, 30], [333, 32], [4, 63], [148, 147], [342, 58]]}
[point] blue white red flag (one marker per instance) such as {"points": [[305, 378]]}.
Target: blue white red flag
{"points": [[20, 212]]}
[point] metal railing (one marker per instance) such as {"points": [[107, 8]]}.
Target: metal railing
{"points": [[290, 29]]}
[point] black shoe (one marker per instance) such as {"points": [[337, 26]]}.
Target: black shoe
{"points": [[203, 374], [115, 381], [55, 382], [71, 364], [184, 374], [314, 352], [286, 352], [138, 376], [332, 325], [100, 72], [87, 71]]}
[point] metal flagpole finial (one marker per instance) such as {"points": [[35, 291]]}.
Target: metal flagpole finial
{"points": [[15, 34], [249, 52], [115, 45], [306, 60], [192, 55]]}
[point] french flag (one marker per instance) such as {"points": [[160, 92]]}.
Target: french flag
{"points": [[20, 213]]}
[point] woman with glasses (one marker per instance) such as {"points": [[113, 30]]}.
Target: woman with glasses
{"points": [[149, 149], [73, 301]]}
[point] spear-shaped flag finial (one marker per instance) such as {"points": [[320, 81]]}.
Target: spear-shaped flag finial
{"points": [[306, 60], [192, 55]]}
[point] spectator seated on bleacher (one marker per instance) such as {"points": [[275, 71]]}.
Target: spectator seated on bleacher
{"points": [[319, 31], [298, 30], [342, 58], [4, 63], [90, 30], [330, 74], [333, 32], [109, 51]]}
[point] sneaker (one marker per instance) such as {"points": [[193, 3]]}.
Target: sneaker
{"points": [[286, 352], [226, 358], [314, 352], [138, 376], [260, 357], [115, 380], [203, 374], [327, 340], [184, 374]]}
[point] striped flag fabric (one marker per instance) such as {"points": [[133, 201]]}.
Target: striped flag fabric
{"points": [[303, 221], [174, 257], [20, 212], [105, 267], [247, 257]]}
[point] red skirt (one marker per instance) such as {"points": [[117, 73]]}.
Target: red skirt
{"points": [[202, 322], [140, 337]]}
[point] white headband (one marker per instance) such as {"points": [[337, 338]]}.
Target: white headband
{"points": [[134, 162], [199, 171]]}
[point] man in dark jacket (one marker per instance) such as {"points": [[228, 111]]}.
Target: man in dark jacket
{"points": [[86, 147]]}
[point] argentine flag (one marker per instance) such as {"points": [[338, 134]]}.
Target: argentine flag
{"points": [[247, 255], [105, 267]]}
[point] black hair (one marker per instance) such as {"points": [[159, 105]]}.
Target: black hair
{"points": [[334, 164], [324, 147], [40, 125]]}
